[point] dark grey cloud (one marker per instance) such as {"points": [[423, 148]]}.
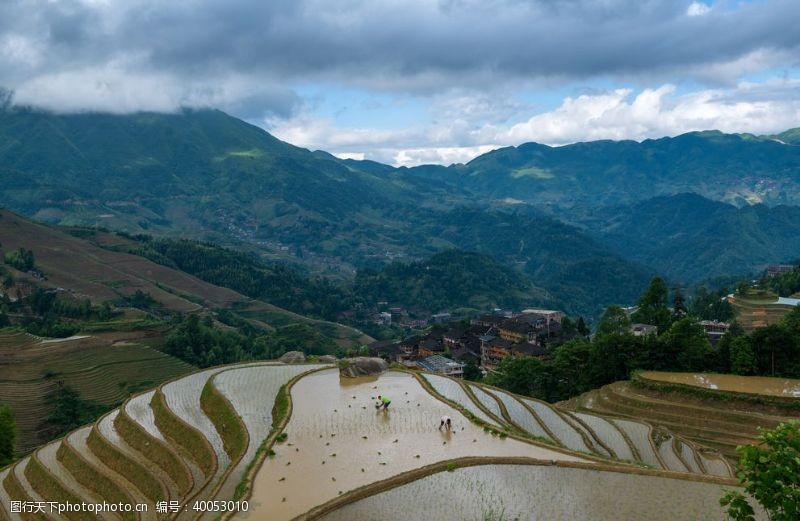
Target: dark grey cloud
{"points": [[407, 46]]}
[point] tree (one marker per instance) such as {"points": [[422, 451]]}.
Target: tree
{"points": [[678, 304], [21, 259], [653, 305], [8, 435], [742, 357], [471, 371], [770, 473], [687, 345], [614, 322], [570, 367], [520, 375], [581, 327], [776, 349]]}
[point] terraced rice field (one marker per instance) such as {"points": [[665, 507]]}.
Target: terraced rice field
{"points": [[783, 387], [153, 448], [488, 401], [246, 390], [337, 441], [98, 368], [98, 462], [718, 424], [755, 313], [568, 435], [520, 416], [620, 439], [453, 391], [528, 492], [669, 455]]}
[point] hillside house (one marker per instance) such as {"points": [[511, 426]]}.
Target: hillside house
{"points": [[550, 315], [430, 346], [523, 328], [715, 330], [494, 350], [438, 364], [773, 270], [643, 329], [488, 320]]}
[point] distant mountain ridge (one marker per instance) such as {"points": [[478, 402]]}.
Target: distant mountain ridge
{"points": [[689, 238], [736, 168], [577, 220]]}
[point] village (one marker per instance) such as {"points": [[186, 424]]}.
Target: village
{"points": [[446, 347]]}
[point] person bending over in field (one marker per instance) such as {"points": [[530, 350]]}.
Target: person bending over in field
{"points": [[383, 402], [446, 423]]}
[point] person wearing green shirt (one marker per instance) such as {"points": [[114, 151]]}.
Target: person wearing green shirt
{"points": [[384, 402]]}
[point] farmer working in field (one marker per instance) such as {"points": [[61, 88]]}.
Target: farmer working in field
{"points": [[383, 401], [446, 423]]}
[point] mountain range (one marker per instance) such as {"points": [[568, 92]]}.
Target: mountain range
{"points": [[587, 223]]}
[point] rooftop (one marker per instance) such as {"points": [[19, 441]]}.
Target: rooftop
{"points": [[438, 363]]}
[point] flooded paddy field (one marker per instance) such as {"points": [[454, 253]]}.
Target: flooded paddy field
{"points": [[784, 387], [533, 492], [337, 441]]}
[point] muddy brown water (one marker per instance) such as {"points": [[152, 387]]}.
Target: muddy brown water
{"points": [[337, 441], [727, 382]]}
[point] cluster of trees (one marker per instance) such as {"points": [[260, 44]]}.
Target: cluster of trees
{"points": [[199, 342], [46, 312], [196, 341], [276, 283], [785, 284], [681, 344], [448, 280], [21, 259], [71, 411]]}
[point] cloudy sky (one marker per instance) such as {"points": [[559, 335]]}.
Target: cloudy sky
{"points": [[415, 81]]}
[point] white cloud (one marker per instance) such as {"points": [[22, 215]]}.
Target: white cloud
{"points": [[764, 107], [359, 156], [698, 9], [661, 112], [439, 155]]}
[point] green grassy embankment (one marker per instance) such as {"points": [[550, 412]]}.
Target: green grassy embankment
{"points": [[193, 445], [132, 470], [94, 480], [154, 450]]}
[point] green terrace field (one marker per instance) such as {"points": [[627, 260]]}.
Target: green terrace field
{"points": [[102, 369], [300, 441]]}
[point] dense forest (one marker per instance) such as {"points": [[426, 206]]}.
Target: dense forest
{"points": [[447, 280]]}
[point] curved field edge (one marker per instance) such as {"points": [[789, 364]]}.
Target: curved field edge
{"points": [[413, 475], [787, 403], [225, 419], [153, 450], [281, 414], [14, 489], [91, 478], [133, 471], [48, 486], [517, 433], [188, 440]]}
